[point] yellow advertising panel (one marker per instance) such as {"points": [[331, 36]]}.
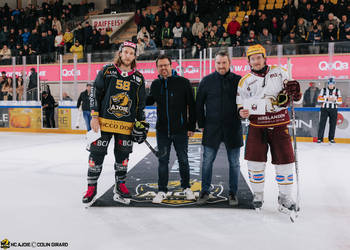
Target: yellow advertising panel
{"points": [[64, 118], [25, 117]]}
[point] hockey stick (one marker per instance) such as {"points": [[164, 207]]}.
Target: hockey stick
{"points": [[157, 153], [294, 144]]}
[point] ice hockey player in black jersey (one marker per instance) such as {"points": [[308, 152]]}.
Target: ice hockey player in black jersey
{"points": [[117, 101]]}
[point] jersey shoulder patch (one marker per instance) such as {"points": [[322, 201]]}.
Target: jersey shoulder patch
{"points": [[108, 68], [241, 82]]}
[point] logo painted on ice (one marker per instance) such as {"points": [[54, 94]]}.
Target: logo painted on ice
{"points": [[337, 65], [175, 197]]}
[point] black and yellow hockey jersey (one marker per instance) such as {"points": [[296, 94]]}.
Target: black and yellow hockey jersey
{"points": [[118, 98]]}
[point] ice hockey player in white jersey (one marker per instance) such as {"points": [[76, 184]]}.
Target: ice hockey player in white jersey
{"points": [[263, 97]]}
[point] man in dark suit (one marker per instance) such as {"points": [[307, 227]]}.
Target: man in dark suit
{"points": [[217, 116]]}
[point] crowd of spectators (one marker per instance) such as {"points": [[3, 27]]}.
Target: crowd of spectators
{"points": [[187, 25], [37, 30], [192, 25], [10, 86]]}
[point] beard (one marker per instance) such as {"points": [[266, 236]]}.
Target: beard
{"points": [[124, 63]]}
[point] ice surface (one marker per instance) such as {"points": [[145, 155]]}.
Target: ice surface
{"points": [[43, 177]]}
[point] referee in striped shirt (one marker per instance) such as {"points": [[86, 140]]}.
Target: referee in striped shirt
{"points": [[330, 98]]}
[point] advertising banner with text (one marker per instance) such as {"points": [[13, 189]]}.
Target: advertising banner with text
{"points": [[303, 67]]}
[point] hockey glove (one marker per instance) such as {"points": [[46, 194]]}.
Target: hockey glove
{"points": [[292, 88], [139, 132], [282, 99]]}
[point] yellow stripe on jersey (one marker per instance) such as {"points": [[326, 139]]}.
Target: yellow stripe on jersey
{"points": [[114, 126], [240, 84], [269, 125], [107, 70], [274, 67]]}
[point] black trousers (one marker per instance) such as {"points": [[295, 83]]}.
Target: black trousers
{"points": [[98, 150], [50, 118], [332, 114], [180, 142]]}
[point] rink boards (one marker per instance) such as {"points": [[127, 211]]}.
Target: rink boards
{"points": [[28, 117]]}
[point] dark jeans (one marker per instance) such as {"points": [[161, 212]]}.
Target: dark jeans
{"points": [[209, 156], [49, 118], [180, 142], [87, 119], [332, 114]]}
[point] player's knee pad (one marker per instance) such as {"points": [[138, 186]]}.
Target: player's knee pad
{"points": [[121, 169], [284, 177], [256, 172]]}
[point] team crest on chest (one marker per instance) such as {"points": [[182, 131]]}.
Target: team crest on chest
{"points": [[120, 105]]}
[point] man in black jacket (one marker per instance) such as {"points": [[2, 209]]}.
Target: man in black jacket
{"points": [[217, 116], [311, 95], [48, 105], [175, 123], [84, 101], [33, 85]]}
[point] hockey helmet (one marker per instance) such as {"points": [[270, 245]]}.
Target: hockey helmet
{"points": [[256, 49], [331, 81], [127, 44]]}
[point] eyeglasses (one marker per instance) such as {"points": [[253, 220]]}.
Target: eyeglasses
{"points": [[163, 65]]}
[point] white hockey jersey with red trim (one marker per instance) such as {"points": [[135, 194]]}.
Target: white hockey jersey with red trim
{"points": [[266, 87]]}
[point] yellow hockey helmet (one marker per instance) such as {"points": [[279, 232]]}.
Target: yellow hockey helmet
{"points": [[256, 49]]}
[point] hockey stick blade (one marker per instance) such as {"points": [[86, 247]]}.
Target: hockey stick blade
{"points": [[157, 153]]}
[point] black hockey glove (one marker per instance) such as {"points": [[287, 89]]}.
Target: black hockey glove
{"points": [[282, 99], [139, 132]]}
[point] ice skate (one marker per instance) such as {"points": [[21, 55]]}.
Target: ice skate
{"points": [[90, 195], [258, 201], [121, 193], [286, 204]]}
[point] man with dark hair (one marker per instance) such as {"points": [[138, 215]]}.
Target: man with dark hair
{"points": [[33, 85], [266, 88], [175, 123], [217, 117], [84, 101], [48, 105], [117, 102]]}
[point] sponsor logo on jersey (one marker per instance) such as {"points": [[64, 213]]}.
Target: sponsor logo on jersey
{"points": [[250, 84], [176, 196], [120, 105]]}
